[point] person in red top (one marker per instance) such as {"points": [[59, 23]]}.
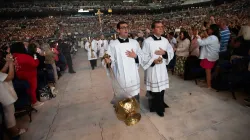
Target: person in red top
{"points": [[54, 49], [26, 69]]}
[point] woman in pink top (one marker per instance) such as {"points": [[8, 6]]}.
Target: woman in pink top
{"points": [[193, 59], [194, 48]]}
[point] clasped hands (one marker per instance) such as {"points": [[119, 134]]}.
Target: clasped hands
{"points": [[158, 59], [9, 58]]}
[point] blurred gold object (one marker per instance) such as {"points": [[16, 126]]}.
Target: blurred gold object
{"points": [[109, 10], [107, 62], [132, 119], [127, 110], [160, 60], [105, 56]]}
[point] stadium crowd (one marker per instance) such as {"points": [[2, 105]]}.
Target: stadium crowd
{"points": [[43, 46]]}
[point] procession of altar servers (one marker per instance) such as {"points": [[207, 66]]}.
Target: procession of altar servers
{"points": [[96, 48], [125, 69]]}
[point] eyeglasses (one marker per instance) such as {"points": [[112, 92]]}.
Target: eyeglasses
{"points": [[159, 27], [124, 28]]}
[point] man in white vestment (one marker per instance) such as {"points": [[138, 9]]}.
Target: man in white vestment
{"points": [[81, 43], [98, 44], [91, 47], [156, 73], [103, 46], [125, 55]]}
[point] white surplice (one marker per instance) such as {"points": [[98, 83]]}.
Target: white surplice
{"points": [[156, 78], [86, 45], [111, 41], [94, 48], [81, 44], [78, 43], [125, 69], [102, 47]]}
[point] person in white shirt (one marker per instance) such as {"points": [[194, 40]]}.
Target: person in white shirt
{"points": [[173, 42], [81, 43], [245, 31], [172, 39], [182, 52], [8, 96], [209, 52]]}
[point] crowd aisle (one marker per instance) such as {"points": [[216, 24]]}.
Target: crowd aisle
{"points": [[82, 111]]}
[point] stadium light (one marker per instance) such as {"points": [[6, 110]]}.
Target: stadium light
{"points": [[109, 10], [83, 11]]}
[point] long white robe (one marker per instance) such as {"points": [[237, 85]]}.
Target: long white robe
{"points": [[94, 48], [156, 78], [103, 47], [81, 44], [125, 68], [86, 45], [111, 41]]}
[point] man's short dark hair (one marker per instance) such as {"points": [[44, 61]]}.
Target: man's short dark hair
{"points": [[118, 26], [155, 22]]}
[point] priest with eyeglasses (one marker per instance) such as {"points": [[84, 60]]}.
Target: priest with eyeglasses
{"points": [[125, 55]]}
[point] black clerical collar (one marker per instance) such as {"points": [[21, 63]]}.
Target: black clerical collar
{"points": [[156, 38], [123, 40]]}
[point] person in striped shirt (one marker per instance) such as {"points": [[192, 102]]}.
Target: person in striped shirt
{"points": [[224, 38]]}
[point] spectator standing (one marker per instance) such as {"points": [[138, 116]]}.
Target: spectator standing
{"points": [[66, 52], [224, 38], [8, 97], [209, 52], [182, 52], [26, 69]]}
